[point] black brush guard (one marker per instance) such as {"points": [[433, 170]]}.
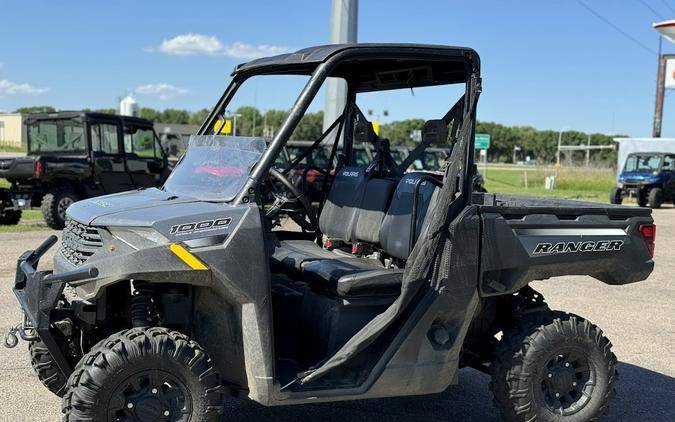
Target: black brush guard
{"points": [[38, 293]]}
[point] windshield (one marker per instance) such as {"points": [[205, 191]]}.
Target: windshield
{"points": [[215, 167], [643, 163], [56, 136]]}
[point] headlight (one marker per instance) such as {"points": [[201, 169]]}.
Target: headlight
{"points": [[619, 185], [139, 238]]}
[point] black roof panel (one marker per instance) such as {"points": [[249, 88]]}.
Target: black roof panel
{"points": [[375, 66]]}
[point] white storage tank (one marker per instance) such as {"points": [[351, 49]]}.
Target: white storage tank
{"points": [[129, 106]]}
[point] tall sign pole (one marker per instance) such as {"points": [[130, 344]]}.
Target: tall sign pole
{"points": [[660, 92], [343, 27], [666, 73]]}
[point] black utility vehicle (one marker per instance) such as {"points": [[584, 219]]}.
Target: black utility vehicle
{"points": [[76, 155], [647, 176], [180, 295]]}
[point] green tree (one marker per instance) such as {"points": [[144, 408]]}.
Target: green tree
{"points": [[309, 128], [399, 132], [171, 115], [198, 117], [35, 109]]}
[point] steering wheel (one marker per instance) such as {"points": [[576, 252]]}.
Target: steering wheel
{"points": [[289, 200]]}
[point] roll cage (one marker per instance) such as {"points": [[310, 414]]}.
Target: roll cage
{"points": [[365, 68]]}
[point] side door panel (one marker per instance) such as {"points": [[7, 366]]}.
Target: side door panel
{"points": [[109, 167], [143, 155]]}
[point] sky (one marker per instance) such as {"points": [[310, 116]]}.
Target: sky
{"points": [[587, 65]]}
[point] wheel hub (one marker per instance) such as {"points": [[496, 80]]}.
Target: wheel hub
{"points": [[63, 205], [150, 396], [567, 382]]}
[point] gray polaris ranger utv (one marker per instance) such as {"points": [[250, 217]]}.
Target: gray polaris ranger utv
{"points": [[228, 281]]}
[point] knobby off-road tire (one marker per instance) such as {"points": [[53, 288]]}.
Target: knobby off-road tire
{"points": [[531, 366], [615, 196], [46, 369], [54, 205], [144, 374], [655, 198], [10, 217]]}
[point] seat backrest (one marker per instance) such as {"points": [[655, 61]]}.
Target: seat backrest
{"points": [[374, 205], [339, 213], [396, 226]]}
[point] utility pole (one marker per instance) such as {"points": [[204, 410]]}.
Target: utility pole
{"points": [[343, 28], [557, 155], [660, 91], [588, 151]]}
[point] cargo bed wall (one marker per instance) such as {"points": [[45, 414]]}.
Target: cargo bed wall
{"points": [[525, 239]]}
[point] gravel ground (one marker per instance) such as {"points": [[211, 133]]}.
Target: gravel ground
{"points": [[638, 318]]}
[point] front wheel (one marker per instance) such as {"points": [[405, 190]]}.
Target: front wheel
{"points": [[46, 369], [615, 196], [10, 217], [553, 367], [54, 206], [655, 198], [144, 374]]}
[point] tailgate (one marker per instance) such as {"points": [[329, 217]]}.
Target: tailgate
{"points": [[17, 167], [521, 243]]}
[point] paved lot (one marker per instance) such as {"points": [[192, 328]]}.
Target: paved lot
{"points": [[639, 319]]}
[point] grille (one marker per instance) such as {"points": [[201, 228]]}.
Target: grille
{"points": [[79, 242]]}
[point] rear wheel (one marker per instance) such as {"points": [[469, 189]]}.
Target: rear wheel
{"points": [[46, 369], [642, 198], [54, 206], [553, 367], [144, 374], [615, 196], [655, 198], [10, 217]]}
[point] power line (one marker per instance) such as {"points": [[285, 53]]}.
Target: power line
{"points": [[665, 3], [616, 28], [654, 11]]}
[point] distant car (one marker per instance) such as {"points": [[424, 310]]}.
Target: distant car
{"points": [[647, 176]]}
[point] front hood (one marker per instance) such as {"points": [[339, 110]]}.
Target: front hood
{"points": [[139, 208], [636, 177]]}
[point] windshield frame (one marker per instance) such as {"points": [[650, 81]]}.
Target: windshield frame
{"points": [[640, 157]]}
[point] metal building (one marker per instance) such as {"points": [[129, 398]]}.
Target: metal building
{"points": [[12, 130]]}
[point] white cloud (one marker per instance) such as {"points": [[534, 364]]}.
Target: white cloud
{"points": [[209, 45], [162, 91], [13, 88]]}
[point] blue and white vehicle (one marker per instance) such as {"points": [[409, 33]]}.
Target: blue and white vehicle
{"points": [[647, 176]]}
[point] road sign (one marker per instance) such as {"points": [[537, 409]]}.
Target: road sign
{"points": [[481, 141]]}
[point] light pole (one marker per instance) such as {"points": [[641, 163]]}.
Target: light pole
{"points": [[516, 148], [557, 155], [234, 123], [343, 26]]}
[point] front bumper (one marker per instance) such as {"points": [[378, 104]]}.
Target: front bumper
{"points": [[38, 293]]}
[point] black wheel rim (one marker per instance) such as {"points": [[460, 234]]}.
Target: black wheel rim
{"points": [[150, 396], [567, 382]]}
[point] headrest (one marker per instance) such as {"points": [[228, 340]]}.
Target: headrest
{"points": [[435, 132], [364, 132]]}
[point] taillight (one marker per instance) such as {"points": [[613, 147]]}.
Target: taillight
{"points": [[648, 232], [38, 169]]}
